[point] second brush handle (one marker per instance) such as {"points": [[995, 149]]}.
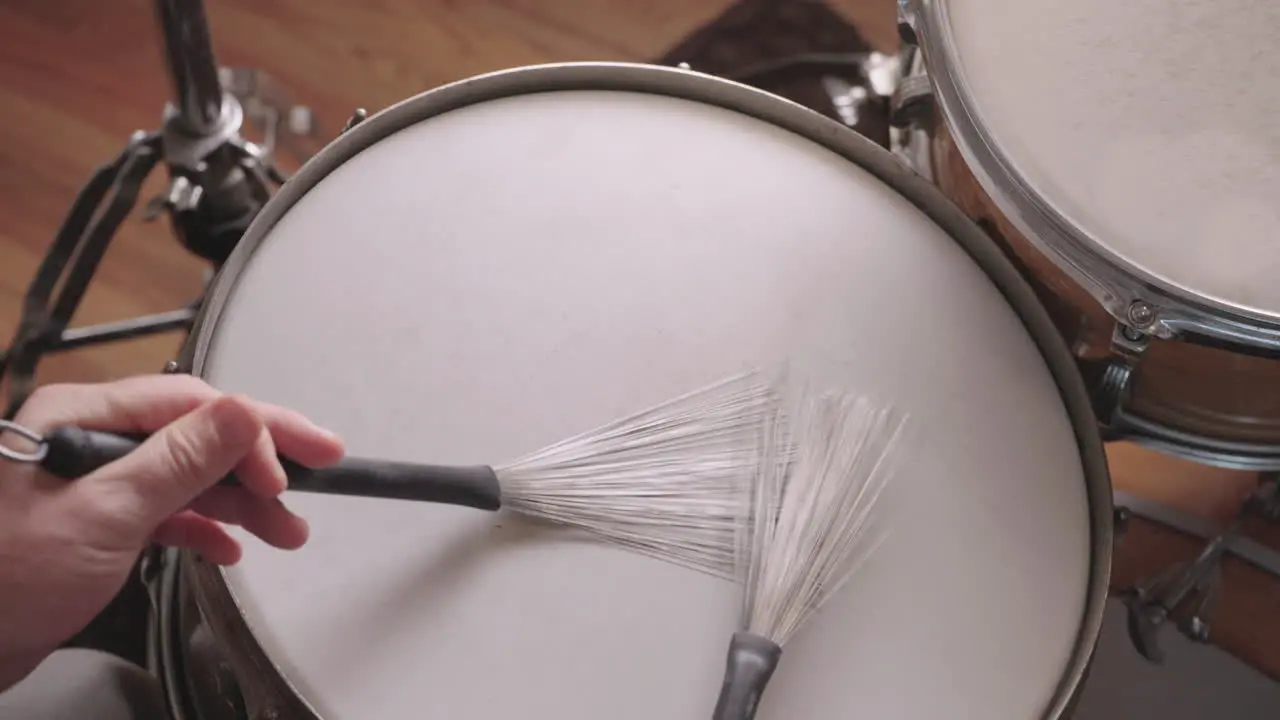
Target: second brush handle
{"points": [[73, 452]]}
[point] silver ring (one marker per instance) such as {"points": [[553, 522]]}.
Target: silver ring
{"points": [[42, 448]]}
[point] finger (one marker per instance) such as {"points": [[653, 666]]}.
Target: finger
{"points": [[269, 520], [137, 404], [299, 439], [175, 465], [191, 531], [260, 472], [147, 403], [292, 435]]}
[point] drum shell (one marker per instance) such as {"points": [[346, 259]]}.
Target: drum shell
{"points": [[1198, 400], [265, 691], [1246, 622], [1176, 508]]}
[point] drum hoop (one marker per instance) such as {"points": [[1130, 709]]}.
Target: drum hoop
{"points": [[1171, 440], [1115, 281], [698, 87]]}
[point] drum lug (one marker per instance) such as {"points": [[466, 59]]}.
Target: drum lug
{"points": [[1108, 383], [911, 112], [1193, 586], [912, 102]]}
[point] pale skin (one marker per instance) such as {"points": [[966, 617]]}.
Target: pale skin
{"points": [[66, 548]]}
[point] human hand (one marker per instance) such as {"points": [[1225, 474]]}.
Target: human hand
{"points": [[66, 548]]}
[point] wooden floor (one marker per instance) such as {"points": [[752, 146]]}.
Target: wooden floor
{"points": [[78, 76]]}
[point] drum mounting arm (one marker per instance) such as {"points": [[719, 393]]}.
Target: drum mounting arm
{"points": [[1187, 593]]}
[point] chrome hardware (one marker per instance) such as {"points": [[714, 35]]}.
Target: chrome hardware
{"points": [[1129, 342], [268, 108], [357, 117], [182, 196], [912, 101], [1141, 314], [1187, 593], [846, 98], [1109, 392]]}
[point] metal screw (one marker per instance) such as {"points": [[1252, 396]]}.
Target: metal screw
{"points": [[1141, 314]]}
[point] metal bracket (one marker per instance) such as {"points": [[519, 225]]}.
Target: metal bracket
{"points": [[267, 107]]}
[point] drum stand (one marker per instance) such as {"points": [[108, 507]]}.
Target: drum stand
{"points": [[218, 181], [1187, 593]]}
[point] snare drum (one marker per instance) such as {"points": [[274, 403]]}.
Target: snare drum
{"points": [[1135, 177], [500, 263]]}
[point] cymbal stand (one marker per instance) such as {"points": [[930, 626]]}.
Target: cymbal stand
{"points": [[218, 182], [1186, 594]]}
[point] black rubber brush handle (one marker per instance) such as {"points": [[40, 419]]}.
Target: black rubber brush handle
{"points": [[748, 668], [75, 452]]}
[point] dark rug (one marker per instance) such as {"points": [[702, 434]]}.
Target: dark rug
{"points": [[786, 47]]}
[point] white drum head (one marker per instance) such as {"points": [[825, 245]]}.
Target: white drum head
{"points": [[501, 276], [1194, 683], [1148, 124]]}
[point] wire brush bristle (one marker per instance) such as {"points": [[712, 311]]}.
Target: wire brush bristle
{"points": [[806, 528], [667, 481]]}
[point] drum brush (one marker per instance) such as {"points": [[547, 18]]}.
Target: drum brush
{"points": [[804, 530], [666, 481]]}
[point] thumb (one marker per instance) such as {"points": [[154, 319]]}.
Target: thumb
{"points": [[179, 462]]}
